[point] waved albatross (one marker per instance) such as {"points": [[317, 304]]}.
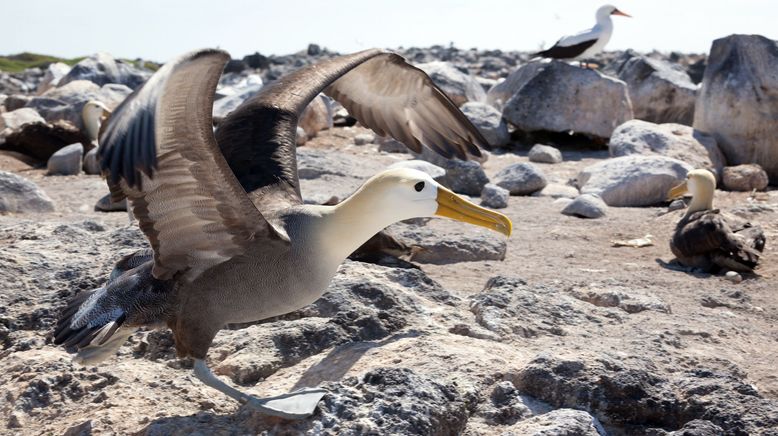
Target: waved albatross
{"points": [[705, 238], [587, 43], [231, 240]]}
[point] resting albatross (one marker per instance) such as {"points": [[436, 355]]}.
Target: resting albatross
{"points": [[706, 239], [588, 43], [231, 240]]}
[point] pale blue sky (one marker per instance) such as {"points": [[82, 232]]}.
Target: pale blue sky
{"points": [[160, 29]]}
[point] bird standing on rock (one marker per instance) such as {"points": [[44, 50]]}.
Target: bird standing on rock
{"points": [[584, 45], [708, 240], [231, 240]]}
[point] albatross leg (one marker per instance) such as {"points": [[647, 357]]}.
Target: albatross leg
{"points": [[294, 405]]}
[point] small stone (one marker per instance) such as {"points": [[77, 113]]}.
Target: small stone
{"points": [[91, 165], [521, 179], [733, 277], [364, 138], [586, 206], [676, 205], [494, 196], [545, 154], [556, 190], [747, 177], [301, 137], [106, 205], [67, 161]]}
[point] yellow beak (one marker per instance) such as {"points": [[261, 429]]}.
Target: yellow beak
{"points": [[678, 191], [455, 207], [618, 12]]}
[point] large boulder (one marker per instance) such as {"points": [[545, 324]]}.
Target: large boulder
{"points": [[633, 180], [680, 142], [102, 68], [54, 73], [458, 86], [19, 195], [488, 121], [39, 140], [66, 161], [558, 97], [14, 120], [66, 101], [223, 106], [659, 92], [746, 177], [738, 100]]}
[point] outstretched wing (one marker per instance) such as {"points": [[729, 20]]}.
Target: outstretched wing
{"points": [[379, 89], [159, 151]]}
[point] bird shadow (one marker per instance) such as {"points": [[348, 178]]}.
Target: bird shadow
{"points": [[342, 358], [675, 266]]}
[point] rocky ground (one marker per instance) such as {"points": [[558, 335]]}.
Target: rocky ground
{"points": [[573, 326]]}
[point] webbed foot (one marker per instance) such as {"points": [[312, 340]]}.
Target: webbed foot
{"points": [[299, 404]]}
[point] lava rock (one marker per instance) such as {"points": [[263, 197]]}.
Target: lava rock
{"points": [[91, 165], [746, 177], [67, 101], [464, 177], [556, 190], [586, 206], [51, 78], [559, 422], [494, 196], [544, 154], [488, 121], [737, 100], [15, 119], [443, 246], [558, 97], [223, 106], [458, 86], [521, 179], [672, 140], [105, 204], [67, 161], [102, 68], [391, 145], [364, 138], [633, 180], [40, 140], [19, 195]]}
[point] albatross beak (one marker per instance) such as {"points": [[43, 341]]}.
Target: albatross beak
{"points": [[678, 191], [455, 207], [618, 12]]}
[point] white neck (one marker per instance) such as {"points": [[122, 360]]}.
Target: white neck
{"points": [[702, 199], [92, 124]]}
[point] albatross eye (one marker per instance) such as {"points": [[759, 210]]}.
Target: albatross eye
{"points": [[419, 186]]}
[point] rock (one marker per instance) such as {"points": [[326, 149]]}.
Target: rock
{"points": [[494, 196], [67, 100], [558, 97], [627, 299], [317, 116], [521, 179], [16, 101], [364, 138], [733, 277], [568, 422], [15, 119], [314, 50], [102, 68], [488, 121], [738, 100], [390, 145], [54, 73], [235, 66], [672, 140], [91, 165], [556, 190], [630, 181], [257, 60], [586, 206], [67, 161], [458, 86], [300, 136], [19, 195], [464, 177], [544, 154], [660, 92], [104, 204], [442, 246], [434, 171], [746, 177], [314, 163], [223, 106], [40, 140]]}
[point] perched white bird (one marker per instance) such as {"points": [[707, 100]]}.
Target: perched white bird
{"points": [[585, 44]]}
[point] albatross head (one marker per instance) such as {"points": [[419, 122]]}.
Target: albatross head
{"points": [[702, 184], [92, 114], [606, 11]]}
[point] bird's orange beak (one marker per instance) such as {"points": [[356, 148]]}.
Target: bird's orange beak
{"points": [[618, 12]]}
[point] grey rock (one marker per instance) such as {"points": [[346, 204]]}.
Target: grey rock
{"points": [[105, 204], [91, 165], [102, 68], [659, 91], [16, 101], [556, 190], [464, 177], [560, 422], [316, 163], [390, 145], [17, 118], [544, 154], [442, 246], [737, 100], [364, 138], [458, 86], [434, 171], [67, 101], [488, 121], [19, 195], [494, 196], [521, 179], [558, 97], [67, 161], [54, 73], [627, 299], [680, 142], [586, 206], [746, 177], [223, 106], [317, 116], [633, 180]]}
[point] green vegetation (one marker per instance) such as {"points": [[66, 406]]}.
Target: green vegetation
{"points": [[20, 62]]}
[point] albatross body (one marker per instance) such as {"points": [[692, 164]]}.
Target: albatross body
{"points": [[585, 44], [708, 240], [230, 238]]}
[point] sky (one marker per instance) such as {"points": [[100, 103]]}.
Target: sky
{"points": [[160, 29]]}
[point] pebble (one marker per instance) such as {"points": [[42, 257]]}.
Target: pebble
{"points": [[733, 277]]}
